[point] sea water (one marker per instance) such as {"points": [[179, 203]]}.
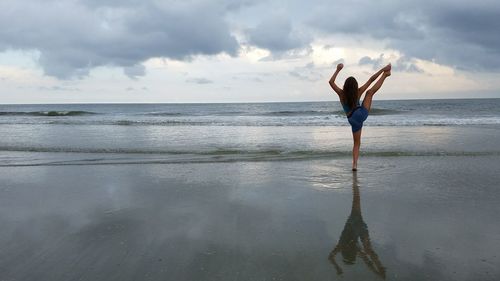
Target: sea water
{"points": [[135, 133]]}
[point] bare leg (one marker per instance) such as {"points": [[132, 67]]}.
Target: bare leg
{"points": [[367, 101], [356, 136]]}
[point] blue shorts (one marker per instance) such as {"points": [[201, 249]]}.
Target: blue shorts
{"points": [[357, 117]]}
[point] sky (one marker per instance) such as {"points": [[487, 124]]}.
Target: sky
{"points": [[121, 51]]}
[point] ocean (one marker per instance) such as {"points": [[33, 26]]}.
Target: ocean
{"points": [[171, 133]]}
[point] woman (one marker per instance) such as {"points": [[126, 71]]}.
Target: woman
{"points": [[349, 98]]}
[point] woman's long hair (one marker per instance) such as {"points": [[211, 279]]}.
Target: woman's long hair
{"points": [[351, 92]]}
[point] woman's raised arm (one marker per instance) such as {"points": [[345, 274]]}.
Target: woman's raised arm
{"points": [[334, 86]]}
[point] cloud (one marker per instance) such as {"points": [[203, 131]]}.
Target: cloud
{"points": [[72, 37], [307, 72], [376, 63], [456, 33], [258, 77], [132, 89], [403, 63], [335, 63], [277, 35], [59, 88], [199, 81], [135, 71]]}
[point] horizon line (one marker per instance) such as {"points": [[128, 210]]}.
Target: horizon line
{"points": [[240, 102]]}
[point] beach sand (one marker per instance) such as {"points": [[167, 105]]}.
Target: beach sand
{"points": [[428, 218]]}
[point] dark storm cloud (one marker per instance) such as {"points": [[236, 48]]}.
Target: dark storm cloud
{"points": [[462, 34], [72, 37]]}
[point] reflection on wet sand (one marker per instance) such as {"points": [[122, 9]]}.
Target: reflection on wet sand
{"points": [[356, 229]]}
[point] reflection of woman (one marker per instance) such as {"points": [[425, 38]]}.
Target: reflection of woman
{"points": [[355, 229]]}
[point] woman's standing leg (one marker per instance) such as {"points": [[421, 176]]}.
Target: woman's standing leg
{"points": [[356, 136]]}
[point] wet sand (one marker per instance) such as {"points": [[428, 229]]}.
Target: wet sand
{"points": [[417, 218]]}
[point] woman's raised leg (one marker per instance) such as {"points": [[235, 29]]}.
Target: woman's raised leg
{"points": [[367, 101]]}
